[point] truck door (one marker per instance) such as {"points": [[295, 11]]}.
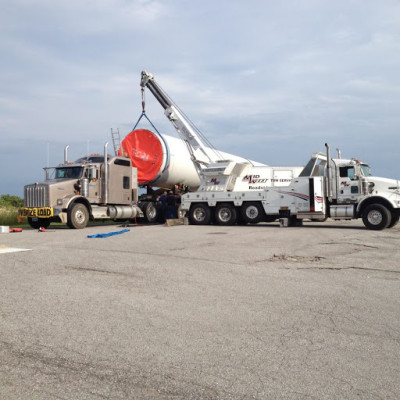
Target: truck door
{"points": [[317, 197], [92, 175], [348, 185]]}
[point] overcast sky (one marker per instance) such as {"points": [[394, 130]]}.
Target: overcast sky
{"points": [[268, 80]]}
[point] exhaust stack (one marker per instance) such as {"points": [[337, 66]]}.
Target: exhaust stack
{"points": [[328, 172], [66, 154], [105, 195]]}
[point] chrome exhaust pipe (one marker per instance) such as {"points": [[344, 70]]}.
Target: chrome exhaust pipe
{"points": [[105, 197], [328, 172], [66, 154]]}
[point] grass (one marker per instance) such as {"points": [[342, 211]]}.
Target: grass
{"points": [[9, 217]]}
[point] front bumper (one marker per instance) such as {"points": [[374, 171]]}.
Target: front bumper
{"points": [[36, 212]]}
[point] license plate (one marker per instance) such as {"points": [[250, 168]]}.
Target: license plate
{"points": [[36, 212]]}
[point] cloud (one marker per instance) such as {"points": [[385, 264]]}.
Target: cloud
{"points": [[267, 80]]}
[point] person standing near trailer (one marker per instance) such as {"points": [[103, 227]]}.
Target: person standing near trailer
{"points": [[163, 201], [171, 206]]}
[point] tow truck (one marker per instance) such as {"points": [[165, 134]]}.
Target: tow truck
{"points": [[337, 188]]}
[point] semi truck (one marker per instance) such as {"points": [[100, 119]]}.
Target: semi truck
{"points": [[94, 187], [337, 188]]}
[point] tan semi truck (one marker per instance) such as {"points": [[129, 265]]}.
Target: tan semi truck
{"points": [[91, 188]]}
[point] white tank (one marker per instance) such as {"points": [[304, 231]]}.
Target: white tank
{"points": [[162, 160]]}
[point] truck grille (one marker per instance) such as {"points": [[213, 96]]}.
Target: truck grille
{"points": [[36, 195]]}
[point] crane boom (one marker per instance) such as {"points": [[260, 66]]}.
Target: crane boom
{"points": [[200, 153]]}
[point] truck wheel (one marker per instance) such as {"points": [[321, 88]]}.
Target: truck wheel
{"points": [[394, 221], [225, 214], [376, 217], [39, 223], [200, 214], [151, 212], [180, 213], [252, 212], [78, 216], [239, 218]]}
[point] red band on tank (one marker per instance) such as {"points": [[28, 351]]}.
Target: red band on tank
{"points": [[144, 149]]}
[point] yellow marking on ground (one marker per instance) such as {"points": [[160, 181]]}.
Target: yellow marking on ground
{"points": [[6, 249]]}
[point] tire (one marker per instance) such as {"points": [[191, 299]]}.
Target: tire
{"points": [[151, 212], [394, 221], [293, 221], [77, 216], [252, 212], [39, 223], [200, 214], [180, 213], [376, 217], [239, 219], [225, 214]]}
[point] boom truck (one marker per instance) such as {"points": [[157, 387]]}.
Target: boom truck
{"points": [[338, 188], [239, 191]]}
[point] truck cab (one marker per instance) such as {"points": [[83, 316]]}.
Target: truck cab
{"points": [[97, 187], [341, 189]]}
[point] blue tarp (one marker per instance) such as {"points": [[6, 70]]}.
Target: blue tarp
{"points": [[104, 235]]}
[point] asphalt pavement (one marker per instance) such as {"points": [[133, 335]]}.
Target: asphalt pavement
{"points": [[209, 312]]}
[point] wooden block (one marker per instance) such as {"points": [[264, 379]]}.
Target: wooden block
{"points": [[174, 222]]}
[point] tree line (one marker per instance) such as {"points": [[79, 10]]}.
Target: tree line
{"points": [[10, 201]]}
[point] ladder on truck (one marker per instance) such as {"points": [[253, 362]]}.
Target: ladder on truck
{"points": [[116, 138]]}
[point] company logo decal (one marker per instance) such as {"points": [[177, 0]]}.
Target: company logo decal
{"points": [[254, 179], [141, 155], [214, 181]]}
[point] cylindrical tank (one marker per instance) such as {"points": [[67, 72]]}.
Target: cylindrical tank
{"points": [[121, 212], [162, 160]]}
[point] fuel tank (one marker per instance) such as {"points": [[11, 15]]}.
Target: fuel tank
{"points": [[162, 160]]}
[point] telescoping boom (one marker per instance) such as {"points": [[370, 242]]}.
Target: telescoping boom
{"points": [[200, 150]]}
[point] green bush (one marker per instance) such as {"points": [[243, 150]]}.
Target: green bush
{"points": [[9, 201], [9, 209]]}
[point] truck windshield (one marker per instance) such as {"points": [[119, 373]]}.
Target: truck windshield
{"points": [[366, 170], [68, 173]]}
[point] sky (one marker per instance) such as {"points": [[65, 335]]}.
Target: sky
{"points": [[267, 80]]}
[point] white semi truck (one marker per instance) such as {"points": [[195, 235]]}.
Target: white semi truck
{"points": [[327, 187]]}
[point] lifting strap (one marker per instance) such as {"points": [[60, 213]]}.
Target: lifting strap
{"points": [[144, 114], [148, 119]]}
